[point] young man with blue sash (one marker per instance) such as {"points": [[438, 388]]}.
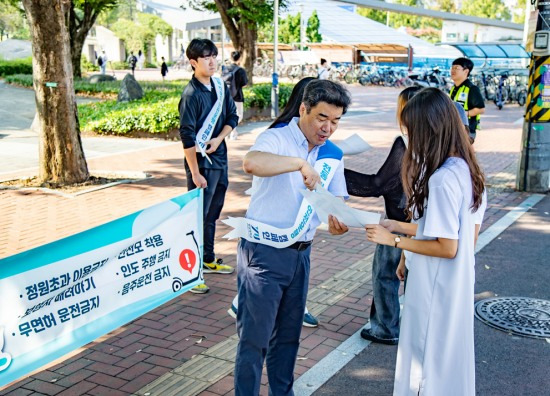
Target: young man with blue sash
{"points": [[273, 256], [207, 115]]}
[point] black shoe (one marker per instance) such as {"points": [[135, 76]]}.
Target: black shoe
{"points": [[367, 335]]}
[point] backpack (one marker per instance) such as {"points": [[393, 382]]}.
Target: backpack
{"points": [[133, 60], [100, 61], [228, 75]]}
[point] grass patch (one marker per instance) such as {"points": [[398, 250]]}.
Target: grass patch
{"points": [[155, 113]]}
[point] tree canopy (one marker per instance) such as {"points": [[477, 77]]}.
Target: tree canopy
{"points": [[13, 23], [82, 16], [124, 9], [242, 20], [493, 9], [289, 30], [430, 28], [312, 29], [518, 14], [140, 34]]}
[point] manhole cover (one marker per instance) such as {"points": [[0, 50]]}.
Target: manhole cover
{"points": [[529, 317]]}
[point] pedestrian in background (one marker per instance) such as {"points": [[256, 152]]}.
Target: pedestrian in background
{"points": [[102, 62], [163, 69], [132, 61], [322, 73], [140, 60], [467, 93], [235, 77]]}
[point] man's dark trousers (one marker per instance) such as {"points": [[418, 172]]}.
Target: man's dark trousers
{"points": [[214, 197], [384, 311], [272, 298]]}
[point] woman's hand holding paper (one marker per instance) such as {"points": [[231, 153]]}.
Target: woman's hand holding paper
{"points": [[336, 227]]}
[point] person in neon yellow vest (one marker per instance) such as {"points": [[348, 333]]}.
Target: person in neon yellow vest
{"points": [[467, 94]]}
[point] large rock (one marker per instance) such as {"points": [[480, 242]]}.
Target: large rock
{"points": [[129, 89], [98, 78]]}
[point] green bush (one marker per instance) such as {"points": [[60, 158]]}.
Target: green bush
{"points": [[157, 111], [259, 95], [17, 66], [86, 65], [144, 115], [24, 80]]}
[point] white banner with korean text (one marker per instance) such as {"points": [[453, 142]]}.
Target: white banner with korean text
{"points": [[60, 296]]}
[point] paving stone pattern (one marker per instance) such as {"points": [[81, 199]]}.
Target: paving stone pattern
{"points": [[187, 346]]}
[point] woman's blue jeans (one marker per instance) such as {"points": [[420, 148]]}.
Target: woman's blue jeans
{"points": [[384, 312]]}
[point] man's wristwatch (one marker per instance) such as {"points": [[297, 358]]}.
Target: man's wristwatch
{"points": [[397, 239]]}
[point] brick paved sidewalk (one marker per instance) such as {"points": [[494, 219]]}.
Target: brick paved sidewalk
{"points": [[174, 348]]}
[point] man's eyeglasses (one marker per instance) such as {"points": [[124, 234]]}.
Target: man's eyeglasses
{"points": [[457, 68]]}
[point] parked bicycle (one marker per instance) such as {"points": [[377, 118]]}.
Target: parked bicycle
{"points": [[432, 78], [502, 86]]}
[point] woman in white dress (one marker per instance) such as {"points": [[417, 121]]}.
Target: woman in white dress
{"points": [[140, 60], [446, 201]]}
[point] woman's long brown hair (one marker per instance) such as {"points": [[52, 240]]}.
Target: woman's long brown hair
{"points": [[435, 133]]}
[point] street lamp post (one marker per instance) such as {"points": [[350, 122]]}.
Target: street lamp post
{"points": [[223, 45], [275, 76], [301, 26]]}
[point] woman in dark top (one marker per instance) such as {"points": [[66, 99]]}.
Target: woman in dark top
{"points": [[384, 313], [163, 69], [292, 108]]}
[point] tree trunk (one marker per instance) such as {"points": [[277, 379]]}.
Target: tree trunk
{"points": [[248, 40], [78, 31], [76, 53], [76, 57], [61, 159], [242, 35]]}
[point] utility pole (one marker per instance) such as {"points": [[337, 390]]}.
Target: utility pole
{"points": [[223, 45], [302, 31], [301, 26], [534, 165], [275, 76]]}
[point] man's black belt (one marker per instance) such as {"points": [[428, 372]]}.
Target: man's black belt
{"points": [[300, 245]]}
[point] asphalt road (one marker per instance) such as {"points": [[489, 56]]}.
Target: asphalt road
{"points": [[515, 264]]}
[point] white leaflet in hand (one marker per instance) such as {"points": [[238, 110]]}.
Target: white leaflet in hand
{"points": [[266, 234], [328, 161], [326, 204], [353, 145]]}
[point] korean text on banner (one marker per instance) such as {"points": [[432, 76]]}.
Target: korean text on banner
{"points": [[60, 296]]}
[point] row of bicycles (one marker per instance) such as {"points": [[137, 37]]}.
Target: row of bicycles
{"points": [[498, 85], [502, 86], [264, 68]]}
